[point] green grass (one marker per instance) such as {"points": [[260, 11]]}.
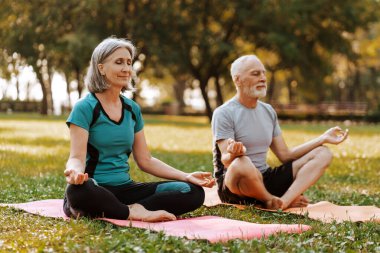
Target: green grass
{"points": [[33, 152]]}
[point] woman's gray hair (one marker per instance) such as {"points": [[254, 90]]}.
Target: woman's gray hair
{"points": [[96, 82]]}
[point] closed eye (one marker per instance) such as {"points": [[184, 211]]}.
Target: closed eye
{"points": [[258, 73], [121, 61]]}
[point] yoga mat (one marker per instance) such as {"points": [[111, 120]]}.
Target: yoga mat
{"points": [[211, 228], [323, 211]]}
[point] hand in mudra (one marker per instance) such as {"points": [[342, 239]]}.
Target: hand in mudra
{"points": [[204, 179], [335, 135], [235, 148]]}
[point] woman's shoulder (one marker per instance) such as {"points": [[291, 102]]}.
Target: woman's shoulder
{"points": [[130, 102], [86, 102]]}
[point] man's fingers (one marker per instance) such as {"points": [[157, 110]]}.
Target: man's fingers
{"points": [[230, 141], [67, 172], [238, 147], [345, 135]]}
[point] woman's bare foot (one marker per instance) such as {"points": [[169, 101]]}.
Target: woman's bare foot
{"points": [[300, 201], [274, 203], [138, 212]]}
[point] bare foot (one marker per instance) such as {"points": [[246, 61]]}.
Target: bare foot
{"points": [[138, 212], [274, 203], [300, 201]]}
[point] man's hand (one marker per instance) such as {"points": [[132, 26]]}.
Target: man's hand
{"points": [[235, 148], [334, 135], [75, 177], [201, 178]]}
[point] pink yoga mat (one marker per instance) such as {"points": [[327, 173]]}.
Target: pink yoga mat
{"points": [[323, 211], [211, 228]]}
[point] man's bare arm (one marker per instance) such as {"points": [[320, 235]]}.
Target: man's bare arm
{"points": [[230, 149]]}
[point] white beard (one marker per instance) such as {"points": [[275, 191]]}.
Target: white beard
{"points": [[254, 93]]}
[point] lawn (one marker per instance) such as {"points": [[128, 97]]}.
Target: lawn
{"points": [[33, 152]]}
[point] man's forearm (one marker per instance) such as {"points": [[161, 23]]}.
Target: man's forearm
{"points": [[305, 148], [227, 159]]}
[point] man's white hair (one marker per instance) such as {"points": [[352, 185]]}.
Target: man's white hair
{"points": [[238, 64]]}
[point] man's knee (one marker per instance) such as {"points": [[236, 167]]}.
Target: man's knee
{"points": [[324, 154], [241, 169]]}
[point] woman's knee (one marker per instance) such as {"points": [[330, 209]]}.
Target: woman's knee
{"points": [[195, 198], [198, 194], [76, 194], [182, 187]]}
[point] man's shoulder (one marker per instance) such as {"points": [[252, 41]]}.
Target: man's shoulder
{"points": [[227, 107], [267, 106]]}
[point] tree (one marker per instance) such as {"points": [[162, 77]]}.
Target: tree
{"points": [[28, 29], [192, 38], [200, 39], [306, 35]]}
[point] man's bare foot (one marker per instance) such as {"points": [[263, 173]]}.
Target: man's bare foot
{"points": [[138, 212], [274, 203], [300, 201]]}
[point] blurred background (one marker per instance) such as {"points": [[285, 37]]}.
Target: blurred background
{"points": [[322, 57]]}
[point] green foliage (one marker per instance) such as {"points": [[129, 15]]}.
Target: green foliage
{"points": [[192, 40], [34, 151]]}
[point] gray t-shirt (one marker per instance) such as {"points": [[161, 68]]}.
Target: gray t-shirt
{"points": [[255, 128]]}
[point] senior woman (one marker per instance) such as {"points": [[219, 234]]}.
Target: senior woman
{"points": [[105, 128]]}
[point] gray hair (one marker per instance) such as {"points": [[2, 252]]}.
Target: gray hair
{"points": [[237, 65], [94, 81]]}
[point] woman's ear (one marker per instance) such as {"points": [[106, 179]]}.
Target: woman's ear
{"points": [[101, 69]]}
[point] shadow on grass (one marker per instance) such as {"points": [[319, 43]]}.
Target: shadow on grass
{"points": [[31, 116], [6, 130], [25, 165], [319, 128], [186, 161], [180, 121], [41, 141]]}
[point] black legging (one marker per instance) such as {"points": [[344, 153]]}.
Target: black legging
{"points": [[89, 199]]}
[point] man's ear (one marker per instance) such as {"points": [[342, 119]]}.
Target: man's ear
{"points": [[101, 69], [237, 80]]}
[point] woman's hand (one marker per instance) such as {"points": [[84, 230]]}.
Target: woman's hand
{"points": [[201, 178], [75, 177], [334, 135]]}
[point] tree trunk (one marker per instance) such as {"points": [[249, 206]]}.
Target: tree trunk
{"points": [[219, 94], [79, 80], [27, 97], [68, 91], [17, 89], [355, 84], [47, 101], [203, 87], [290, 90], [44, 107], [271, 87], [375, 101], [179, 88]]}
